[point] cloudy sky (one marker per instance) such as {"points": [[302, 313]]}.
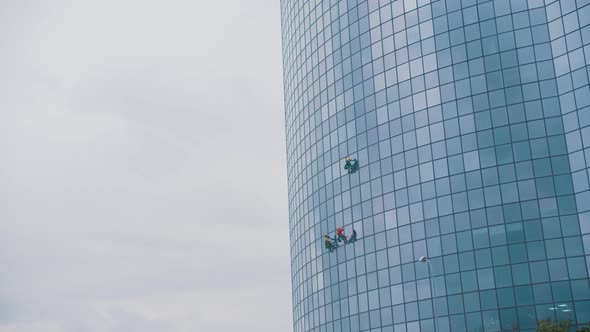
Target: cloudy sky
{"points": [[142, 167]]}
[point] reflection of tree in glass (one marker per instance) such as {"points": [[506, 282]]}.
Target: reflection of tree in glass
{"points": [[549, 325]]}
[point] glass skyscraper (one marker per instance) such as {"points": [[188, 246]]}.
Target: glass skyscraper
{"points": [[470, 120]]}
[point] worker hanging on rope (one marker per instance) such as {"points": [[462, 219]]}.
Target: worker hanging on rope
{"points": [[351, 165], [340, 235], [328, 243], [352, 238]]}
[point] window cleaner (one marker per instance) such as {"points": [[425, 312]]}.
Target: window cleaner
{"points": [[352, 238], [351, 165], [340, 234], [328, 243]]}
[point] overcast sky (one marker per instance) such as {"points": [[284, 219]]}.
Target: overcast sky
{"points": [[142, 167]]}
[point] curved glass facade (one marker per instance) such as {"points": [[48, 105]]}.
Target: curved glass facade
{"points": [[470, 120]]}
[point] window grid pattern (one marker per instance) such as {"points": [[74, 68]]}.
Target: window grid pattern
{"points": [[471, 121]]}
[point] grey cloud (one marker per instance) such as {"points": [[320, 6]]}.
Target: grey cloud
{"points": [[142, 166]]}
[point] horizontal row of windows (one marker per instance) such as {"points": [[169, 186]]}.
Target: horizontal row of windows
{"points": [[419, 318], [467, 301], [463, 252], [513, 242]]}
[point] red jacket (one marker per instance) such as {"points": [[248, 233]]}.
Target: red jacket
{"points": [[340, 231]]}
